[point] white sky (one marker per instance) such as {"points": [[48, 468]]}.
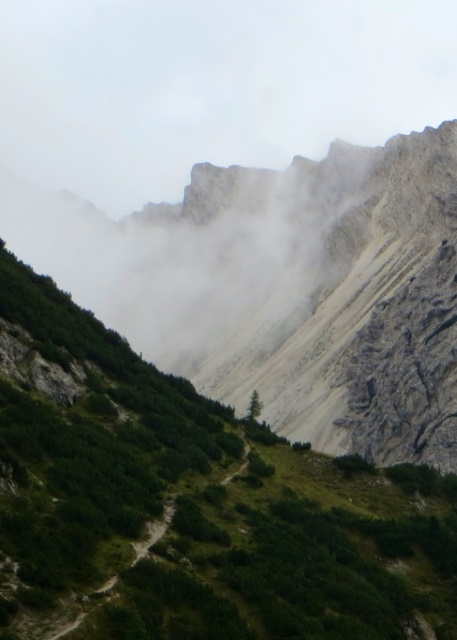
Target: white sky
{"points": [[117, 99]]}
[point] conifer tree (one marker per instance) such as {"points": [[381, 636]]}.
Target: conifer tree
{"points": [[255, 406]]}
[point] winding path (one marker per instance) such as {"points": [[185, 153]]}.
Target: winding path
{"points": [[70, 627], [244, 466], [155, 531]]}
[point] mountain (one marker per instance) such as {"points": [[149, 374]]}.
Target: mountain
{"points": [[132, 507], [320, 286], [309, 280], [370, 371]]}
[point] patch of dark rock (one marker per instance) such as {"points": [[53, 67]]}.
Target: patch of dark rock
{"points": [[371, 388], [432, 314], [446, 252], [346, 423], [368, 349], [419, 449], [420, 432], [441, 327]]}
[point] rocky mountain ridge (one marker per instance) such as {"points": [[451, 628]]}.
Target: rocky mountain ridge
{"points": [[270, 280], [320, 385]]}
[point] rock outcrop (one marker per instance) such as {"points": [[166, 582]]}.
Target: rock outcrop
{"points": [[54, 383], [20, 361]]}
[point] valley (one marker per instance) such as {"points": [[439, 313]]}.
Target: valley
{"points": [[133, 506], [267, 280]]}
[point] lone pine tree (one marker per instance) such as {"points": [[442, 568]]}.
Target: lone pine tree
{"points": [[255, 406]]}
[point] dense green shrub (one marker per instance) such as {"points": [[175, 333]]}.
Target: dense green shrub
{"points": [[55, 354], [197, 459], [7, 609], [215, 494], [36, 598], [262, 433], [394, 544], [448, 487], [189, 521], [231, 444], [94, 477], [437, 538], [293, 511], [301, 446], [138, 436], [171, 464], [125, 623], [101, 405], [259, 467], [252, 480], [152, 589], [354, 463], [413, 477], [297, 573]]}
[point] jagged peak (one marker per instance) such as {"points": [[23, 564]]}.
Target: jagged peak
{"points": [[303, 163], [447, 127], [340, 149], [207, 169], [204, 167]]}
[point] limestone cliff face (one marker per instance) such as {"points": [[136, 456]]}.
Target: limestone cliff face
{"points": [[24, 364], [400, 372], [372, 368], [214, 190]]}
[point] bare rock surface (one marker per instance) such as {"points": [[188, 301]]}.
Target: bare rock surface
{"points": [[20, 361], [401, 372], [53, 382], [372, 367]]}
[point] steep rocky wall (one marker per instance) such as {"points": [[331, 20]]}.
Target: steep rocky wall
{"points": [[400, 372], [320, 385], [300, 382]]}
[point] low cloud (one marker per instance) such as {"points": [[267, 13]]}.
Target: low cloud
{"points": [[244, 254]]}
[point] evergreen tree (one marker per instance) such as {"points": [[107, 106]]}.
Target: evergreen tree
{"points": [[255, 406]]}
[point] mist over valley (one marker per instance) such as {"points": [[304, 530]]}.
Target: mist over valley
{"points": [[265, 280]]}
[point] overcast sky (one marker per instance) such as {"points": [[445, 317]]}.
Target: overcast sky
{"points": [[117, 99]]}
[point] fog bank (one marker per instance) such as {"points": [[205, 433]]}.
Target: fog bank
{"points": [[247, 248]]}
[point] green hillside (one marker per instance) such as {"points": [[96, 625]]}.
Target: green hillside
{"points": [[248, 537]]}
